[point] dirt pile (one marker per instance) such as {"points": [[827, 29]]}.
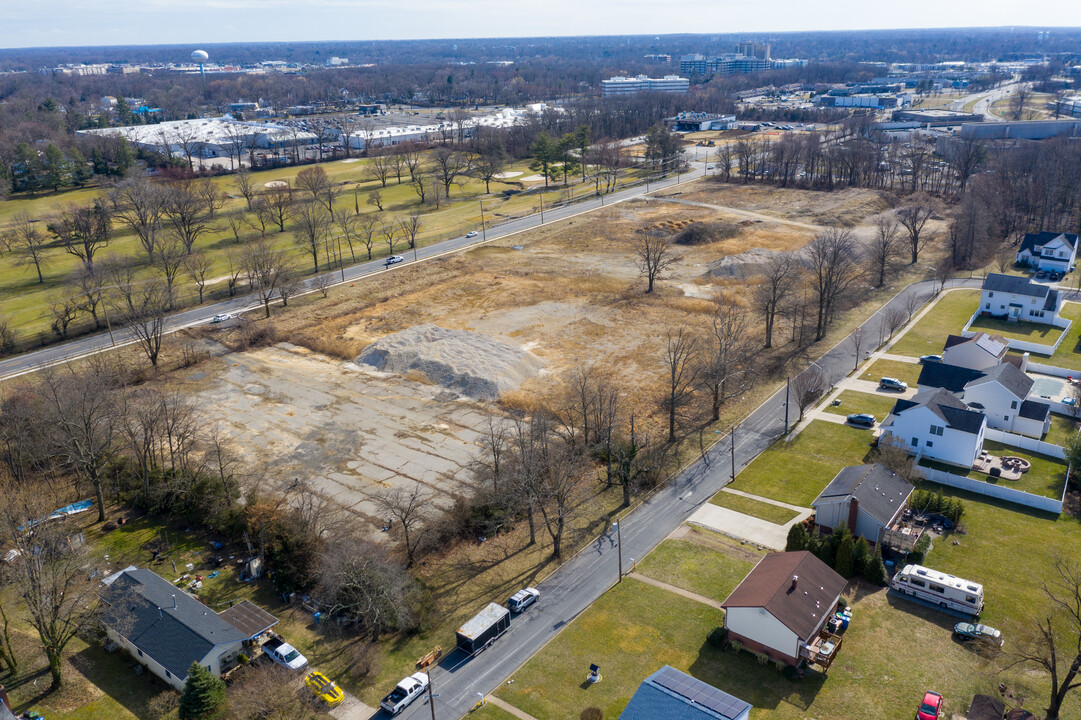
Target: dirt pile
{"points": [[469, 363], [743, 265]]}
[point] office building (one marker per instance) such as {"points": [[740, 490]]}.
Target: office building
{"points": [[632, 86]]}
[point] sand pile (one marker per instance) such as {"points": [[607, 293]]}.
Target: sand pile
{"points": [[745, 264], [468, 363]]}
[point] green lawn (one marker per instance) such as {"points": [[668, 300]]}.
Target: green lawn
{"points": [[693, 564], [1022, 330], [795, 472], [892, 653], [1046, 476], [947, 316], [854, 401], [1068, 354], [755, 508], [490, 712], [1063, 430], [908, 372]]}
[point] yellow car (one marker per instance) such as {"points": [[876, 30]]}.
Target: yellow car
{"points": [[323, 688]]}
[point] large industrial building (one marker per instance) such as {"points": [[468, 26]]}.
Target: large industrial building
{"points": [[208, 137], [1022, 130], [633, 86]]}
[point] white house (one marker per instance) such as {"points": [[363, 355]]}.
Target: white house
{"points": [[165, 629], [867, 498], [980, 352], [1048, 251], [1016, 298], [936, 424], [782, 605], [1000, 392]]}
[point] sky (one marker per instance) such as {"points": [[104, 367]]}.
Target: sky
{"points": [[43, 23]]}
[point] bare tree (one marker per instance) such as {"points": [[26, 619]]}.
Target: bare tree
{"points": [[778, 278], [375, 199], [235, 261], [83, 231], [883, 249], [265, 267], [856, 339], [262, 216], [26, 240], [409, 507], [315, 181], [1055, 643], [347, 224], [1019, 100], [489, 465], [50, 575], [90, 286], [169, 257], [680, 376], [279, 204], [807, 387], [367, 228], [198, 267], [62, 311], [652, 255], [322, 283], [913, 217], [726, 367], [363, 586], [270, 692], [244, 185], [379, 167], [147, 316], [85, 422], [410, 226], [185, 212], [894, 317], [139, 206], [213, 197], [389, 231], [449, 165], [187, 137], [833, 263], [311, 228]]}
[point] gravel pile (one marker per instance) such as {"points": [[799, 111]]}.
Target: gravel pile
{"points": [[469, 363]]}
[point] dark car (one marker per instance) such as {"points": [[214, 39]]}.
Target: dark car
{"points": [[984, 634], [864, 419], [892, 383]]}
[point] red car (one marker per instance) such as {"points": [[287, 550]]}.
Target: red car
{"points": [[931, 707]]}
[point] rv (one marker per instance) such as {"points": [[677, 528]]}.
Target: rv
{"points": [[946, 591]]}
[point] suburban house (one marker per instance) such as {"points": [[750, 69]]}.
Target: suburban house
{"points": [[870, 499], [781, 608], [669, 693], [980, 352], [1000, 392], [167, 630], [938, 425], [1052, 251], [1016, 298]]}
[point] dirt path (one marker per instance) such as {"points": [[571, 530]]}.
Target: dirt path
{"points": [[748, 214]]}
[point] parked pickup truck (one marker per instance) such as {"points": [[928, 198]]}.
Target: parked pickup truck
{"points": [[404, 693], [284, 654]]}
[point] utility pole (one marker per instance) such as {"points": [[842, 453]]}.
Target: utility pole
{"points": [[732, 434], [541, 195], [619, 548], [431, 698], [109, 325], [341, 258], [787, 387], [483, 232]]}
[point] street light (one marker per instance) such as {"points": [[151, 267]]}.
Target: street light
{"points": [[619, 548], [935, 280]]}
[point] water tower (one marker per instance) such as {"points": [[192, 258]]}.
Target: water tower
{"points": [[200, 57]]}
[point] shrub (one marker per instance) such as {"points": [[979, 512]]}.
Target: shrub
{"points": [[780, 665], [762, 658], [735, 646], [919, 553], [797, 538], [874, 570], [592, 713]]}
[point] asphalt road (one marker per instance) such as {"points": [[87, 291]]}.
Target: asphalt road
{"points": [[460, 681], [90, 344]]}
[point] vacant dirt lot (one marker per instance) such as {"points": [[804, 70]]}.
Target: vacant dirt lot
{"points": [[570, 293]]}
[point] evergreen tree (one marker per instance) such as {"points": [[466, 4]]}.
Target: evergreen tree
{"points": [[875, 570], [544, 151], [797, 538], [844, 563], [57, 168], [203, 696], [861, 556], [101, 165], [26, 170], [80, 170]]}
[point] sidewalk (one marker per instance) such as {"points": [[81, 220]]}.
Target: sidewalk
{"points": [[677, 590]]}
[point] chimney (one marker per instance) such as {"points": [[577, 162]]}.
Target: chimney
{"points": [[174, 602], [4, 699], [853, 514], [795, 580]]}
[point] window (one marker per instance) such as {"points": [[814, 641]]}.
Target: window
{"points": [[1013, 405], [936, 430], [938, 589], [990, 294], [917, 583], [987, 306], [1006, 418], [915, 442], [930, 444], [969, 598]]}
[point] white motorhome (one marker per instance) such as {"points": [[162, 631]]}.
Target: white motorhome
{"points": [[946, 591]]}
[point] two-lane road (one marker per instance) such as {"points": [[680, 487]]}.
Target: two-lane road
{"points": [[571, 588]]}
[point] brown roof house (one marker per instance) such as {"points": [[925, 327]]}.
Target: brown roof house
{"points": [[782, 606]]}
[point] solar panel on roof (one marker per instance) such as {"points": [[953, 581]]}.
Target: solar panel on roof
{"points": [[700, 693]]}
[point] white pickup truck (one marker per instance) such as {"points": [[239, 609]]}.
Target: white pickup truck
{"points": [[284, 654], [404, 693]]}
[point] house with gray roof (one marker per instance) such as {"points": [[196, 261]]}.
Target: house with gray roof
{"points": [[167, 630], [936, 424], [1001, 392], [669, 694], [1015, 298], [978, 352], [869, 499], [1046, 250]]}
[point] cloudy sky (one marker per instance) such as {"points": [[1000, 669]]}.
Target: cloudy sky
{"points": [[32, 23]]}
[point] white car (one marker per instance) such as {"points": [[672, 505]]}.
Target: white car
{"points": [[404, 693], [285, 654], [222, 318], [395, 259], [472, 234], [522, 599]]}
